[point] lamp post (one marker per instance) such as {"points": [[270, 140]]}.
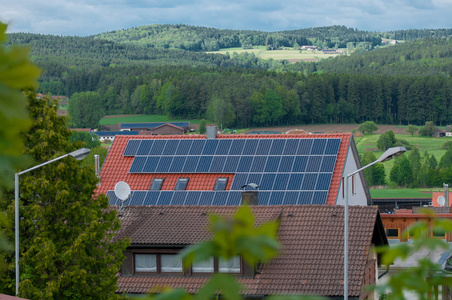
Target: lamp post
{"points": [[387, 155], [77, 154]]}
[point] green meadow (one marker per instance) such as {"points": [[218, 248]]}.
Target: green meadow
{"points": [[112, 120]]}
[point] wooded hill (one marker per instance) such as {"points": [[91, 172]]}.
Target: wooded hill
{"points": [[407, 83]]}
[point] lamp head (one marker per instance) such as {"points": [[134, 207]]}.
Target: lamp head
{"points": [[391, 153], [80, 153]]}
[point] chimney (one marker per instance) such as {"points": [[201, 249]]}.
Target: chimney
{"points": [[249, 197], [211, 132], [96, 165]]}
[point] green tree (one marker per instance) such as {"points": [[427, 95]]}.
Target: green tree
{"points": [[202, 127], [428, 129], [66, 231], [368, 127], [221, 112], [412, 129], [386, 140], [375, 175], [402, 173], [446, 159], [415, 161], [17, 72], [90, 140], [85, 109], [273, 103]]}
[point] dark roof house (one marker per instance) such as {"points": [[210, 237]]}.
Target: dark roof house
{"points": [[310, 262], [196, 170], [151, 125]]}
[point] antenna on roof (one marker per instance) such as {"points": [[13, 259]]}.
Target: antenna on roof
{"points": [[122, 192]]}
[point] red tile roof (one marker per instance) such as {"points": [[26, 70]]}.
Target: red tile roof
{"points": [[311, 260], [116, 166]]}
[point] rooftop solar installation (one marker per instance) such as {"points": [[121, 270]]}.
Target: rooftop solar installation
{"points": [[287, 171]]}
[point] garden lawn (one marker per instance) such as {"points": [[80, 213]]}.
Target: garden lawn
{"points": [[402, 193]]}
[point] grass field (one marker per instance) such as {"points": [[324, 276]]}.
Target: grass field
{"points": [[402, 193], [289, 53], [111, 120]]}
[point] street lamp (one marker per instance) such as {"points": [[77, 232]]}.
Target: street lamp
{"points": [[387, 155], [77, 154]]}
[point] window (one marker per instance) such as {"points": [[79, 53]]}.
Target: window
{"points": [[156, 184], [181, 184], [145, 263], [170, 263], [220, 184], [438, 232], [392, 233], [204, 266], [229, 266], [353, 185]]}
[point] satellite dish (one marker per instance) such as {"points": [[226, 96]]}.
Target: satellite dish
{"points": [[122, 191], [441, 200]]}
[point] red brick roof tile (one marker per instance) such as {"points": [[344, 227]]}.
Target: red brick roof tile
{"points": [[311, 260]]}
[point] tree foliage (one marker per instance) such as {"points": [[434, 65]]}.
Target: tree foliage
{"points": [[86, 109], [412, 129], [375, 175], [65, 231], [368, 127], [89, 140], [428, 129]]}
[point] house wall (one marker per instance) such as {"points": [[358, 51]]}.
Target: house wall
{"points": [[359, 196], [167, 130], [370, 275]]}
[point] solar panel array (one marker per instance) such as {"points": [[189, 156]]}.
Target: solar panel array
{"points": [[288, 171]]}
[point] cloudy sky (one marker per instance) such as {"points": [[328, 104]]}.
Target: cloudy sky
{"points": [[88, 17]]}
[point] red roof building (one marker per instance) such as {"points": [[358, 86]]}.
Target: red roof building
{"points": [[196, 170], [310, 262]]}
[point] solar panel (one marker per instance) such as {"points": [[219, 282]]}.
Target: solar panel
{"points": [[314, 164], [220, 198], [165, 197], [234, 198], [196, 147], [272, 163], [295, 181], [267, 181], [291, 198], [258, 164], [309, 181], [263, 148], [157, 147], [179, 198], [304, 148], [250, 147], [253, 178], [132, 147], [332, 146], [206, 198], [170, 147], [145, 147], [318, 147], [113, 199], [184, 147], [305, 198], [151, 198], [239, 180], [217, 164], [323, 182], [291, 147], [281, 182], [137, 197], [177, 164], [190, 164], [300, 163], [319, 197], [245, 164], [231, 164], [277, 147], [328, 164], [223, 147], [204, 164], [151, 164], [137, 164], [276, 198], [286, 164], [210, 147], [263, 198], [192, 198], [237, 147], [164, 164]]}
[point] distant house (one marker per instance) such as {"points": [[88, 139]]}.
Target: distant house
{"points": [[150, 126], [329, 51], [310, 262], [110, 135], [168, 129], [448, 130], [307, 47], [439, 133]]}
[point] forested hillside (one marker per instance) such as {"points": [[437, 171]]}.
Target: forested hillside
{"points": [[407, 83]]}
